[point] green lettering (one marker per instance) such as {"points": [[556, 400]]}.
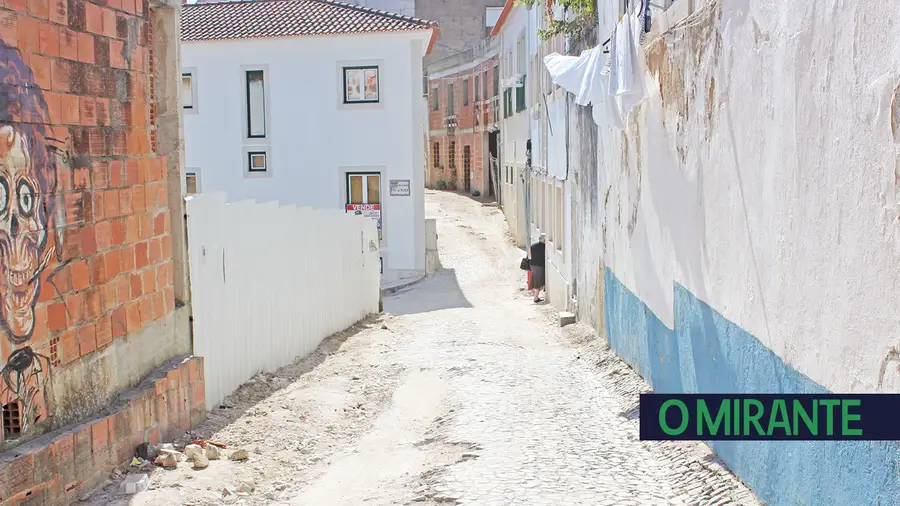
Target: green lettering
{"points": [[703, 416], [779, 408], [737, 418], [811, 423], [753, 418], [829, 404], [846, 417], [662, 417]]}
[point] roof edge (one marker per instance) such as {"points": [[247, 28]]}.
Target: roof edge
{"points": [[435, 30], [344, 5], [507, 7]]}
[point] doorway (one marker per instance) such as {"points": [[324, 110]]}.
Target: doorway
{"points": [[494, 189], [364, 196]]}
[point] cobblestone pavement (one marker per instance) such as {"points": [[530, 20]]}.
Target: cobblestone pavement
{"points": [[465, 393], [529, 414]]}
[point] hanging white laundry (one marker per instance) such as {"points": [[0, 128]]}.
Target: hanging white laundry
{"points": [[582, 76], [639, 80], [623, 58]]}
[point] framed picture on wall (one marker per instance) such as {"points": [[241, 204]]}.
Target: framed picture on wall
{"points": [[361, 85]]}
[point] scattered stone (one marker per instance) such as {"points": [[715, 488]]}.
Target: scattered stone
{"points": [[227, 491], [566, 318], [135, 483], [193, 451], [245, 488], [240, 455], [167, 460], [212, 452], [201, 462], [146, 451], [177, 454]]}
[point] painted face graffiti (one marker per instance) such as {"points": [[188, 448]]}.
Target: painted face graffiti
{"points": [[23, 236], [27, 234]]}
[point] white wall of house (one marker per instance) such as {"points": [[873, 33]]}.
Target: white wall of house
{"points": [[514, 130], [751, 210], [313, 139], [546, 185]]}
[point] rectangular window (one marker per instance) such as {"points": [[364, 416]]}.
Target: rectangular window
{"points": [[191, 183], [560, 221], [484, 84], [361, 85], [520, 56], [520, 96], [450, 99], [496, 80], [256, 161], [477, 88], [256, 104], [466, 92], [436, 154], [187, 91], [435, 101], [451, 155]]}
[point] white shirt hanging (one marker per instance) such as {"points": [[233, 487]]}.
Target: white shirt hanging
{"points": [[582, 76]]}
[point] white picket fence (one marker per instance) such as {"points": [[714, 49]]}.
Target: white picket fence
{"points": [[270, 282]]}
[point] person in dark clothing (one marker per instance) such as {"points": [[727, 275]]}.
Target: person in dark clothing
{"points": [[536, 256]]}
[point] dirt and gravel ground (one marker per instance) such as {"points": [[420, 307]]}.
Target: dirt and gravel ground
{"points": [[463, 392]]}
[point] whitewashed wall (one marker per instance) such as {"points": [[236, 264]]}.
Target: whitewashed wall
{"points": [[269, 282], [314, 139]]}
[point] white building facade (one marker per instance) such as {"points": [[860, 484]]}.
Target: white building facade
{"points": [[282, 106], [536, 191]]}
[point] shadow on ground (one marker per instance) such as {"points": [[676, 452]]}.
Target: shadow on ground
{"points": [[440, 291], [250, 394]]}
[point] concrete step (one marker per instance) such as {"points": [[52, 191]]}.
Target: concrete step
{"points": [[566, 318]]}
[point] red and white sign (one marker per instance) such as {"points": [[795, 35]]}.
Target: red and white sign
{"points": [[369, 211], [363, 207]]}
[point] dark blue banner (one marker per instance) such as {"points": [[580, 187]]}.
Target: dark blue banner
{"points": [[776, 417]]}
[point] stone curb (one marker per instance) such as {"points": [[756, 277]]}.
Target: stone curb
{"points": [[394, 289]]}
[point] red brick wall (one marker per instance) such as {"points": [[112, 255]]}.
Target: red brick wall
{"points": [[76, 89], [468, 131], [57, 468]]}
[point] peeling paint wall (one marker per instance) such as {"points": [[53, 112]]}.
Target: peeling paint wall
{"points": [[748, 222]]}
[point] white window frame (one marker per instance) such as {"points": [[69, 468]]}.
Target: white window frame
{"points": [[340, 89], [190, 72], [192, 171], [245, 106], [245, 161], [344, 188]]}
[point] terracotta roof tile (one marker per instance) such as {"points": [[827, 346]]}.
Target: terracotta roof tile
{"points": [[286, 18]]}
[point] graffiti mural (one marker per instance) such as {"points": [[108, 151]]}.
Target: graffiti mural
{"points": [[28, 244]]}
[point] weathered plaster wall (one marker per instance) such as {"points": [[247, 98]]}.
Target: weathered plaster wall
{"points": [[749, 225]]}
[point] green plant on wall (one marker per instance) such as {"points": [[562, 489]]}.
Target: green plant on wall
{"points": [[581, 17]]}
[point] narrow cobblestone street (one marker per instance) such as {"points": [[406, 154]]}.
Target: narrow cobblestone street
{"points": [[464, 392]]}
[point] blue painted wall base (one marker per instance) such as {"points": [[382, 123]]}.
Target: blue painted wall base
{"points": [[706, 353]]}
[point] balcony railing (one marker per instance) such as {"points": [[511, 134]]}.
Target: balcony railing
{"points": [[451, 121]]}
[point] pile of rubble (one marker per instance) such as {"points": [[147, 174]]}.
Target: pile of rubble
{"points": [[197, 453]]}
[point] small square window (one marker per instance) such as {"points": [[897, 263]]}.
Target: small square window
{"points": [[187, 91], [257, 161], [361, 85]]}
